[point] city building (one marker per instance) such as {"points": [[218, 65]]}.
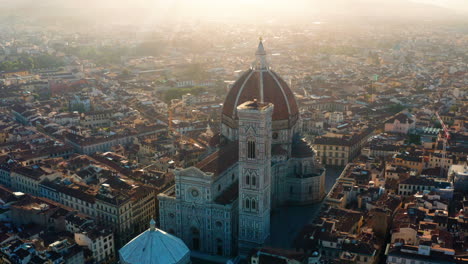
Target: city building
{"points": [[338, 150], [459, 175], [99, 241], [400, 123], [27, 179], [222, 205]]}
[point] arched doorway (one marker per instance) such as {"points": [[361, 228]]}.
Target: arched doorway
{"points": [[219, 247], [195, 238]]}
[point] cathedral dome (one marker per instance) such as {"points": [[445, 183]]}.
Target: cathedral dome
{"points": [[265, 85], [155, 246]]}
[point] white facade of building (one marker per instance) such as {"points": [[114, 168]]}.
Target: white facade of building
{"points": [[222, 205]]}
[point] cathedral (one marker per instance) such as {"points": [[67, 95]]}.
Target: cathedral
{"points": [[222, 205]]}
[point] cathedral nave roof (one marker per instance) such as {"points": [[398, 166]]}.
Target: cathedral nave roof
{"points": [[229, 195], [220, 160]]}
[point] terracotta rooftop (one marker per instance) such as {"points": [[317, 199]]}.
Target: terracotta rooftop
{"points": [[257, 84], [301, 149], [229, 195], [220, 160], [401, 117]]}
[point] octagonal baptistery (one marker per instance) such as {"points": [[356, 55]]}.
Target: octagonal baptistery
{"points": [[155, 246], [264, 85]]}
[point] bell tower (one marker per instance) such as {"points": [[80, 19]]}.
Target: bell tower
{"points": [[254, 174]]}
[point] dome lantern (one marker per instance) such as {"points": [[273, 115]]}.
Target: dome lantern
{"points": [[261, 62]]}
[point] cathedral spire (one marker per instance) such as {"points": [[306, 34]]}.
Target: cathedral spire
{"points": [[261, 62]]}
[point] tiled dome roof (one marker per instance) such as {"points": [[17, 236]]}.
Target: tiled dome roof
{"points": [[265, 85]]}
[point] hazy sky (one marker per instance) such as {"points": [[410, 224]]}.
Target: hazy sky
{"points": [[241, 9], [453, 4]]}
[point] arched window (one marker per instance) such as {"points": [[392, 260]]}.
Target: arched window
{"points": [[247, 203], [254, 180], [253, 205], [251, 149], [275, 135], [247, 179]]}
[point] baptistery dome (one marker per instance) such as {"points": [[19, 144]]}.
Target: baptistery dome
{"points": [[155, 246]]}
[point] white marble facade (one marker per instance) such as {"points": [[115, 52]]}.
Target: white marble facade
{"points": [[222, 205], [193, 211]]}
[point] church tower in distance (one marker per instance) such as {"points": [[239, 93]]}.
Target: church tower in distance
{"points": [[254, 174]]}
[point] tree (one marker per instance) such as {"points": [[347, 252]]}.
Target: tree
{"points": [[151, 48], [414, 139], [47, 61], [175, 93], [195, 72], [26, 62], [126, 73], [453, 108], [395, 108]]}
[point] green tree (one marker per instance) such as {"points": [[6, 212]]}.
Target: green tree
{"points": [[26, 62], [175, 93], [195, 72], [414, 139], [453, 108], [395, 108]]}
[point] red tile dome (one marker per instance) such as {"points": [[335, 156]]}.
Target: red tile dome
{"points": [[265, 85]]}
